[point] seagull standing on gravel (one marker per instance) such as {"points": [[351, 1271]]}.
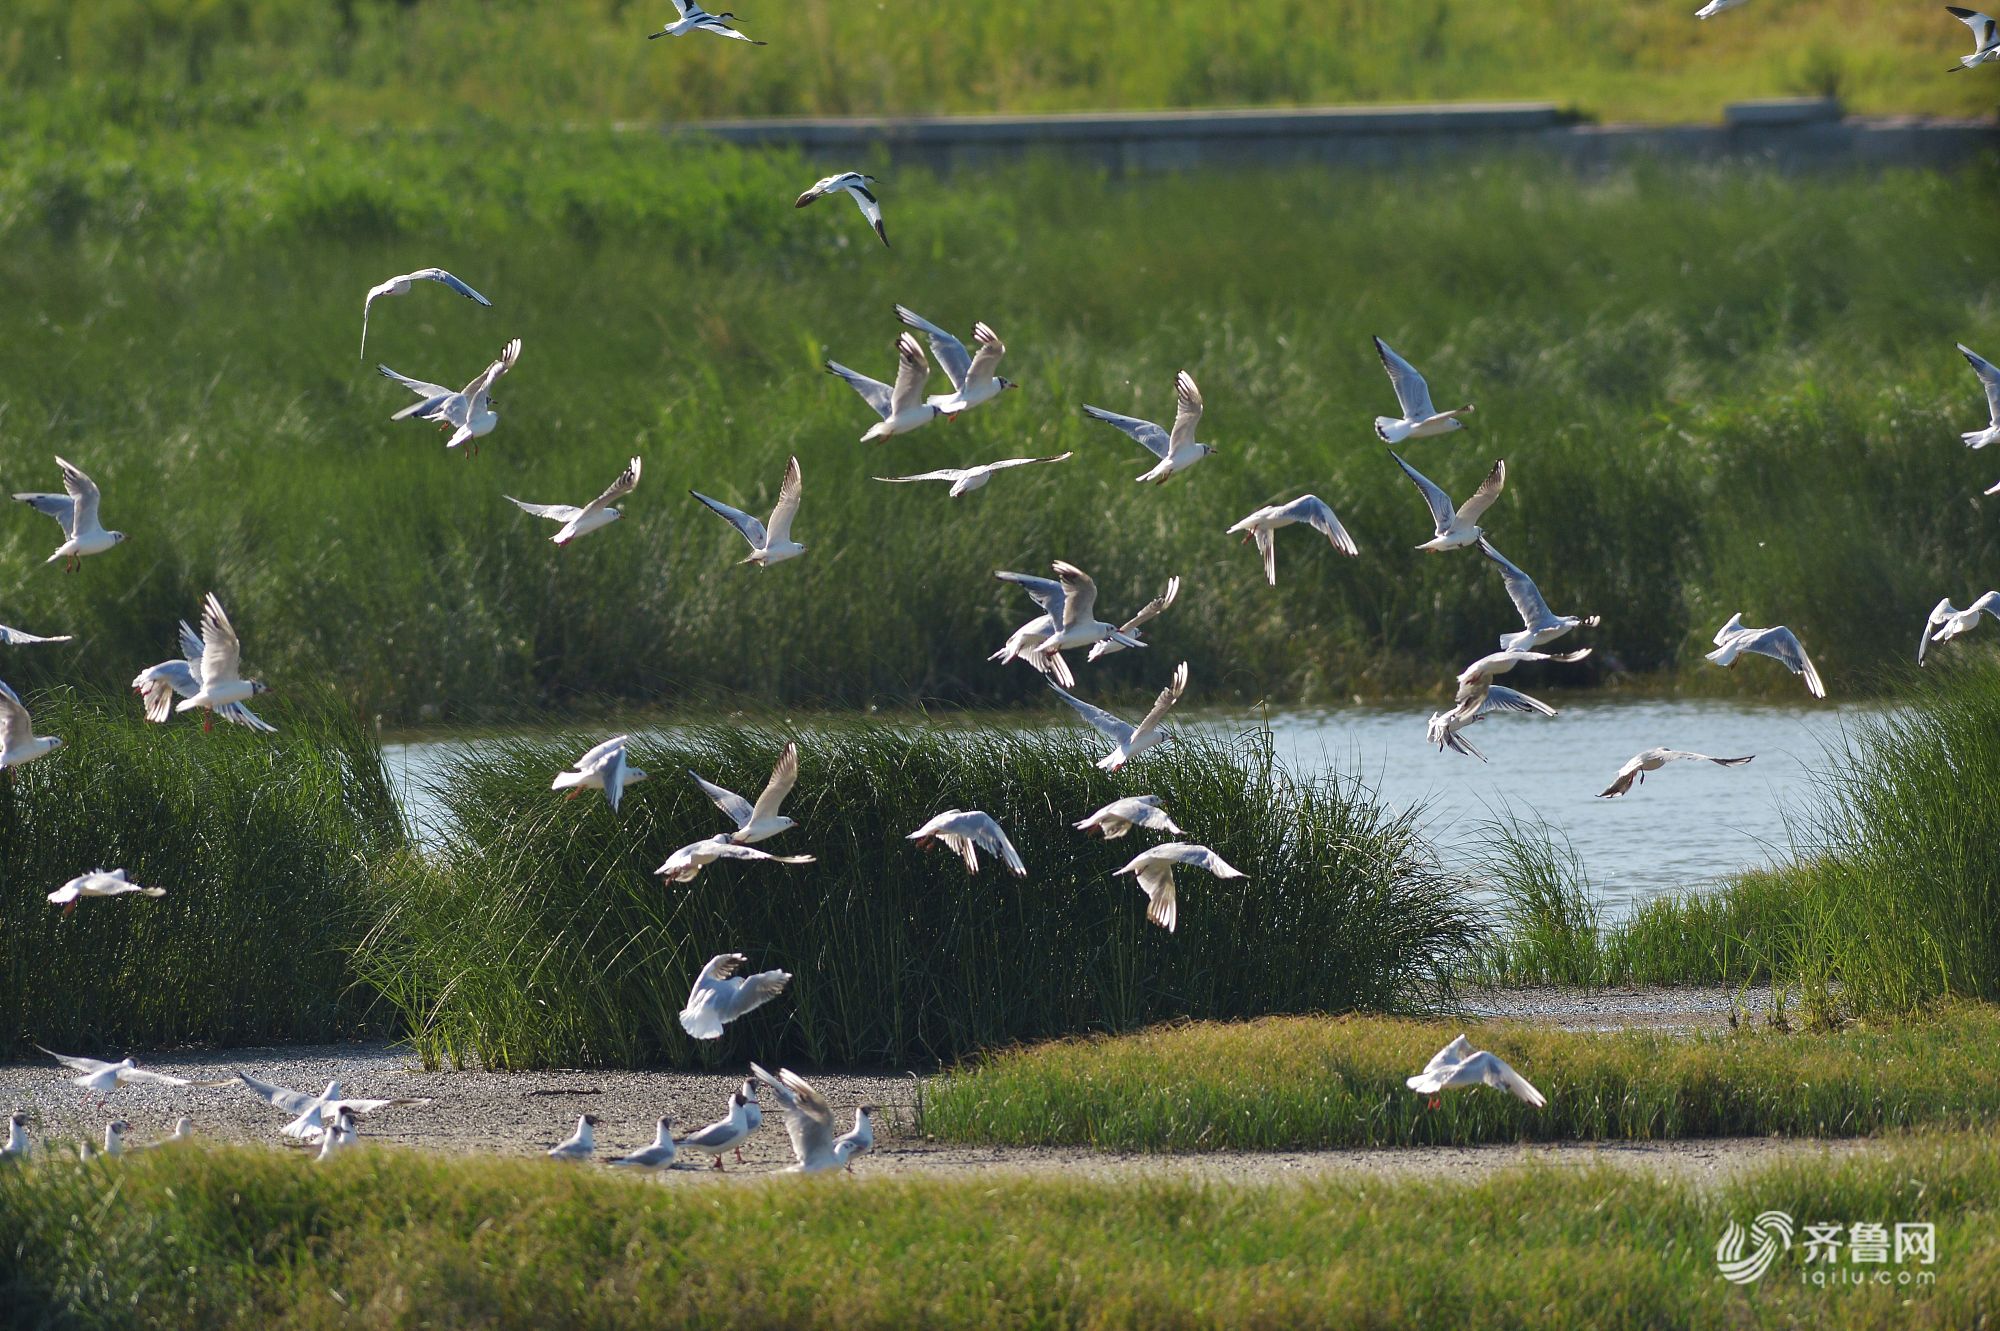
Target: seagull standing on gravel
{"points": [[1129, 630], [760, 821], [1652, 760], [1127, 741], [1154, 868], [76, 511], [1989, 379], [100, 1078], [686, 864], [968, 831], [1120, 816], [114, 1141], [602, 768], [1780, 644], [157, 686], [341, 1135], [809, 1123], [964, 480], [1309, 509], [860, 1139], [221, 672], [902, 408], [18, 742], [400, 286], [17, 1147], [1455, 529], [1076, 624], [693, 18], [579, 1145], [660, 1155], [1458, 1064], [773, 544], [1985, 38], [973, 377], [311, 1113], [98, 883], [468, 413], [1176, 448], [1948, 622], [855, 185], [20, 638], [722, 993], [1420, 420], [183, 1132], [1540, 625], [597, 513], [727, 1133]]}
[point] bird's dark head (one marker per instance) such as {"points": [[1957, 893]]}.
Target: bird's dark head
{"points": [[117, 536], [590, 1120], [1007, 383], [868, 1111], [258, 686], [54, 743]]}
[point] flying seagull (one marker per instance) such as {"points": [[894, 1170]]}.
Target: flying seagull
{"points": [[311, 1114], [1310, 509], [660, 1155], [729, 1132], [1154, 868], [579, 1145], [1420, 420], [468, 413], [1989, 379], [157, 686], [902, 408], [1454, 529], [1458, 1064], [968, 831], [21, 638], [597, 513], [853, 183], [1175, 449], [693, 18], [18, 741], [1476, 680], [1075, 624], [760, 821], [964, 480], [1444, 727], [1948, 621], [101, 1078], [686, 864], [972, 376], [809, 1122], [221, 669], [1780, 644], [1129, 630], [1539, 624], [768, 545], [400, 286], [602, 768], [722, 993], [76, 510], [99, 883], [1128, 742], [1046, 593], [1652, 760], [1985, 38], [1714, 7], [1120, 816]]}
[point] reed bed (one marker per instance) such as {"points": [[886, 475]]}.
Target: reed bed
{"points": [[538, 936], [265, 845]]}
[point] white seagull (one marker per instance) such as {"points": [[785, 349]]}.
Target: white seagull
{"points": [[809, 1122], [1989, 379], [860, 1139], [1176, 449], [468, 413], [114, 1141], [1714, 7], [1127, 741], [972, 376], [727, 1133], [400, 286], [902, 408], [854, 184], [964, 480], [597, 513], [686, 864], [1420, 420], [22, 638], [1444, 727], [17, 1147], [98, 883], [101, 1078], [1985, 38], [1475, 682], [1652, 760], [1454, 529], [1154, 868], [76, 511], [18, 742], [341, 1135], [968, 831], [1948, 621], [1129, 630], [579, 1145], [311, 1113], [722, 993], [602, 768], [183, 1132], [693, 18], [760, 821], [773, 544], [1779, 643], [1120, 816], [221, 668], [1539, 624], [1046, 593], [1075, 623], [1458, 1064], [660, 1155], [157, 686], [1309, 509]]}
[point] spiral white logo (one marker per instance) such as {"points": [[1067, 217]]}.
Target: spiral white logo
{"points": [[1770, 1234]]}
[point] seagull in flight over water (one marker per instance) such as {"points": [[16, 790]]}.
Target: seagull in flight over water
{"points": [[76, 510], [400, 286], [1539, 624], [1780, 644], [1075, 623], [603, 768], [693, 18], [1130, 628], [1652, 760], [597, 513], [853, 183], [1420, 420], [1947, 621], [1176, 449], [773, 544]]}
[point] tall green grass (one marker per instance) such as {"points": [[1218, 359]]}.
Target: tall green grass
{"points": [[537, 935], [1698, 378], [265, 845]]}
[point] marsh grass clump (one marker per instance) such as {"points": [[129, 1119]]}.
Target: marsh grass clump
{"points": [[537, 934], [264, 844]]}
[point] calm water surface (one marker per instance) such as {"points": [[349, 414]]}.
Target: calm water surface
{"points": [[1688, 824]]}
